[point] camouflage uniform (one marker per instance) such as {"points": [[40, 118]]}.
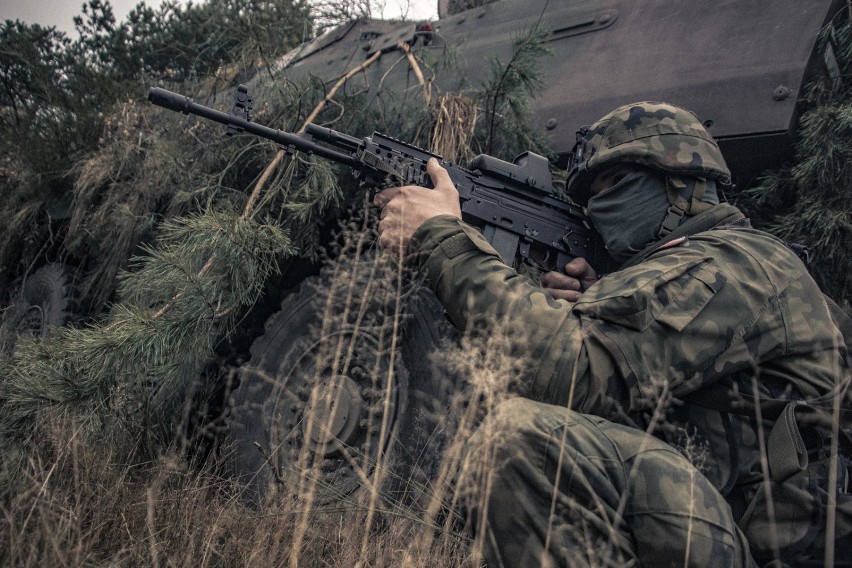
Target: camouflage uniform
{"points": [[714, 304]]}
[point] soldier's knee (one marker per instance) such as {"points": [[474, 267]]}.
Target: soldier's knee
{"points": [[518, 426], [510, 419], [512, 412], [505, 443], [503, 427]]}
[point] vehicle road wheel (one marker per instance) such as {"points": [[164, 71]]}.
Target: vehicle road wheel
{"points": [[318, 406]]}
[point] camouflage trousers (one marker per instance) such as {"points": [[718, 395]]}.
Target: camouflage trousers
{"points": [[546, 486]]}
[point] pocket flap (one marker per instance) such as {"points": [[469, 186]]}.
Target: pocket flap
{"points": [[671, 295]]}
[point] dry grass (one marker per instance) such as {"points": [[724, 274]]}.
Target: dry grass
{"points": [[454, 127], [82, 507]]}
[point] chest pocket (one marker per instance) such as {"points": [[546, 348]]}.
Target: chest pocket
{"points": [[672, 293]]}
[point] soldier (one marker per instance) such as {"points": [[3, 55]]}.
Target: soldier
{"points": [[708, 336]]}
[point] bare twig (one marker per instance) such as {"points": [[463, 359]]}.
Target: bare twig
{"points": [[427, 95], [248, 211]]}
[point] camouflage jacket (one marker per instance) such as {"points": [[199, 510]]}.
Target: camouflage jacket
{"points": [[727, 305]]}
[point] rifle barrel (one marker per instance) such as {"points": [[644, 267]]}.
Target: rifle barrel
{"points": [[303, 143]]}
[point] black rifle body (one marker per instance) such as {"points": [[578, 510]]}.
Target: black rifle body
{"points": [[511, 203]]}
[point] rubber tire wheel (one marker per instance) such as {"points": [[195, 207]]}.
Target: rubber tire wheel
{"points": [[419, 432], [47, 298]]}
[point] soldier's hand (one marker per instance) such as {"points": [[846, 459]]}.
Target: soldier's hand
{"points": [[405, 208], [569, 285]]}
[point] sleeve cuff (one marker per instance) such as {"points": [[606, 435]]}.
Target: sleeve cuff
{"points": [[442, 239]]}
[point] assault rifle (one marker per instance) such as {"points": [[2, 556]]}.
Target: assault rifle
{"points": [[513, 204]]}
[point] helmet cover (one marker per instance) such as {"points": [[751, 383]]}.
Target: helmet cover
{"points": [[656, 135]]}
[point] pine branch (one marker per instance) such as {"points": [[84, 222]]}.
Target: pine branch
{"points": [[514, 84], [810, 201], [85, 367]]}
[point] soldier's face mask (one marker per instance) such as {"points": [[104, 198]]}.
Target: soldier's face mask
{"points": [[628, 215]]}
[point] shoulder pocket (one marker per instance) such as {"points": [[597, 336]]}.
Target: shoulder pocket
{"points": [[671, 294]]}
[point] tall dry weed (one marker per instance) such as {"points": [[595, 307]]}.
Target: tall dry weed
{"points": [[81, 506]]}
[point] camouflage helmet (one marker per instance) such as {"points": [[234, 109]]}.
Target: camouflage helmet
{"points": [[652, 134]]}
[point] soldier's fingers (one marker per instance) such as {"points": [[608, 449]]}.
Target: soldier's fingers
{"points": [[440, 176], [383, 197], [390, 220], [386, 233], [390, 238], [557, 280], [560, 294], [580, 268]]}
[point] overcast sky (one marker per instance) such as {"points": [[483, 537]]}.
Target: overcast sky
{"points": [[60, 13]]}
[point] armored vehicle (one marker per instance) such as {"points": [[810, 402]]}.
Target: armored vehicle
{"points": [[738, 66]]}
